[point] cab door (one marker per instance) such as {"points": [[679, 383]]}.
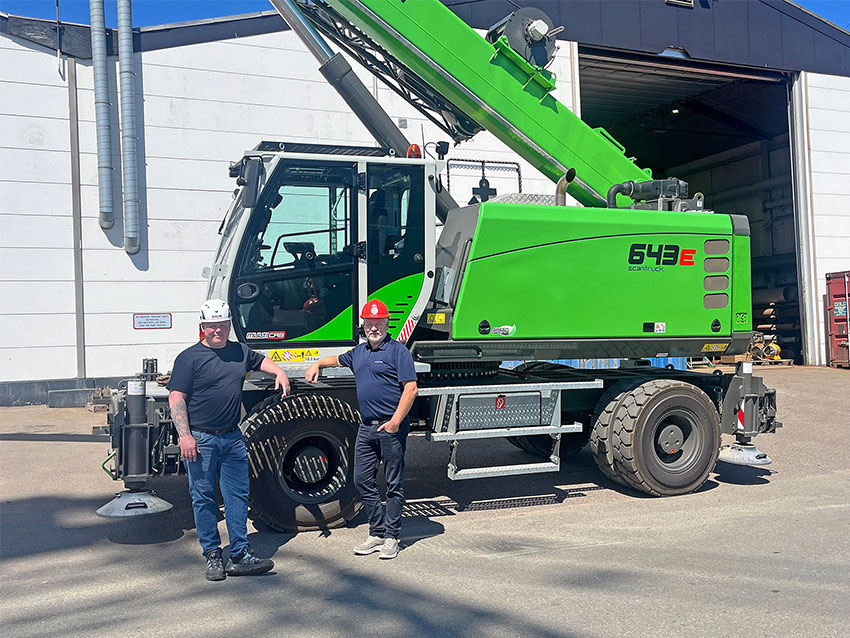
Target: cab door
{"points": [[296, 277], [395, 239]]}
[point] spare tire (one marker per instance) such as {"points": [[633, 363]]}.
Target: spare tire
{"points": [[301, 462]]}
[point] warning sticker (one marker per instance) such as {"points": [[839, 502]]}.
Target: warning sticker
{"points": [[435, 317], [294, 356], [840, 309], [715, 347]]}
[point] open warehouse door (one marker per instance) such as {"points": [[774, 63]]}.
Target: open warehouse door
{"points": [[724, 130]]}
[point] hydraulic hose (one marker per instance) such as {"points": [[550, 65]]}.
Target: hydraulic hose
{"points": [[624, 188]]}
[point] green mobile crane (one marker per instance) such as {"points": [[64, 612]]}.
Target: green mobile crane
{"points": [[641, 270]]}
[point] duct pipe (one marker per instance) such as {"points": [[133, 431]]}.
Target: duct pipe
{"points": [[127, 85], [337, 71], [101, 113]]}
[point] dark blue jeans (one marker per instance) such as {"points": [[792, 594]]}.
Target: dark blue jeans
{"points": [[370, 449], [221, 458]]}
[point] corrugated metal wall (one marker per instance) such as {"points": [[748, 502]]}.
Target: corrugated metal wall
{"points": [[36, 252], [828, 102]]}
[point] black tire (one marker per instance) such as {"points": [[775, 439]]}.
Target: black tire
{"points": [[540, 445], [301, 462], [665, 437], [516, 441], [600, 431]]}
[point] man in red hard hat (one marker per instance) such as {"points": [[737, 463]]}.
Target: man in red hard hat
{"points": [[386, 387]]}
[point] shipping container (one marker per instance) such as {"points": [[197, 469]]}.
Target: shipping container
{"points": [[838, 318]]}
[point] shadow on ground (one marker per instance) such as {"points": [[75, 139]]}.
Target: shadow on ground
{"points": [[742, 474]]}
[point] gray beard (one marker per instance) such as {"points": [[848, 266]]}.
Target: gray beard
{"points": [[375, 340]]}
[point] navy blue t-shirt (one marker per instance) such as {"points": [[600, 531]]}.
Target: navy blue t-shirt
{"points": [[212, 380], [380, 375]]}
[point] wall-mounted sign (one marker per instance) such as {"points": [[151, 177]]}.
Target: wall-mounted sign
{"points": [[152, 321]]}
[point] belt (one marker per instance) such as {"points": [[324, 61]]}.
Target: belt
{"points": [[371, 422], [217, 432]]}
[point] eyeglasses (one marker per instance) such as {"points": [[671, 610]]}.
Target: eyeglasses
{"points": [[212, 327]]}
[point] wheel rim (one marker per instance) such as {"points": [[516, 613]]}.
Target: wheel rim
{"points": [[312, 466], [677, 441]]}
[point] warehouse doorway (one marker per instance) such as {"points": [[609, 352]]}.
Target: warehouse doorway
{"points": [[724, 130]]}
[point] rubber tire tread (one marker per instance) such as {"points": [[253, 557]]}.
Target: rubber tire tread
{"points": [[571, 444], [623, 426], [600, 432], [283, 409]]}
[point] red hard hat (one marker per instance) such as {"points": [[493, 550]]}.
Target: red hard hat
{"points": [[375, 310], [315, 305]]}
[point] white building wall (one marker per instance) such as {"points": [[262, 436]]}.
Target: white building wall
{"points": [[201, 106], [828, 111], [36, 252]]}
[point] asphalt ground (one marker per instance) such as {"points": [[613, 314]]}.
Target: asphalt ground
{"points": [[755, 552]]}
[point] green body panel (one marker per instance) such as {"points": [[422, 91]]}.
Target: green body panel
{"points": [[340, 328], [742, 292], [545, 272], [539, 128], [400, 296]]}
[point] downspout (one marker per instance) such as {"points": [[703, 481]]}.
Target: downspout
{"points": [[101, 113], [77, 219], [127, 75]]}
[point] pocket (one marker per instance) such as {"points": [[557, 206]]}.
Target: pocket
{"points": [[198, 436]]}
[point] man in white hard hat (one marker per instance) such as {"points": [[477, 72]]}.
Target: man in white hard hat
{"points": [[206, 401]]}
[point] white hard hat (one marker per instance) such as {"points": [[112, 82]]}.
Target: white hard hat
{"points": [[215, 310]]}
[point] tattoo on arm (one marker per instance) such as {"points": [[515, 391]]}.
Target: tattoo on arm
{"points": [[180, 417]]}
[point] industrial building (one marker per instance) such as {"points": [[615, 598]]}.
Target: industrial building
{"points": [[747, 101]]}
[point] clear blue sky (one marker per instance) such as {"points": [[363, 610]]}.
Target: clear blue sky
{"points": [[150, 12]]}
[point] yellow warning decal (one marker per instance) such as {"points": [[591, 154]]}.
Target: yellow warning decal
{"points": [[435, 317], [715, 347], [294, 356]]}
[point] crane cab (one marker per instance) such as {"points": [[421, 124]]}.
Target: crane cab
{"points": [[330, 228]]}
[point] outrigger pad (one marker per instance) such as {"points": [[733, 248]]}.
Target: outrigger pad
{"points": [[134, 504], [743, 454]]}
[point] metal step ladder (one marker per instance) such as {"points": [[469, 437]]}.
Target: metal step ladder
{"points": [[501, 411]]}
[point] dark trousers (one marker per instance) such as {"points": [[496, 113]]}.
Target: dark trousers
{"points": [[371, 448]]}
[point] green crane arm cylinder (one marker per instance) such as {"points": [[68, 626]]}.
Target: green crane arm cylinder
{"points": [[337, 71]]}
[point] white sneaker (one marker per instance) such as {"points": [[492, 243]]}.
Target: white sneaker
{"points": [[371, 545], [389, 549]]}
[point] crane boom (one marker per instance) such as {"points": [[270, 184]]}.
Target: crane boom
{"points": [[488, 83]]}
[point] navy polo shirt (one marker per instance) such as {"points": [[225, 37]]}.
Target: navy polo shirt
{"points": [[380, 375], [212, 380]]}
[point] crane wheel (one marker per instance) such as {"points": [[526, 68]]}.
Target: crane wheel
{"points": [[301, 462], [665, 437], [600, 431]]}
